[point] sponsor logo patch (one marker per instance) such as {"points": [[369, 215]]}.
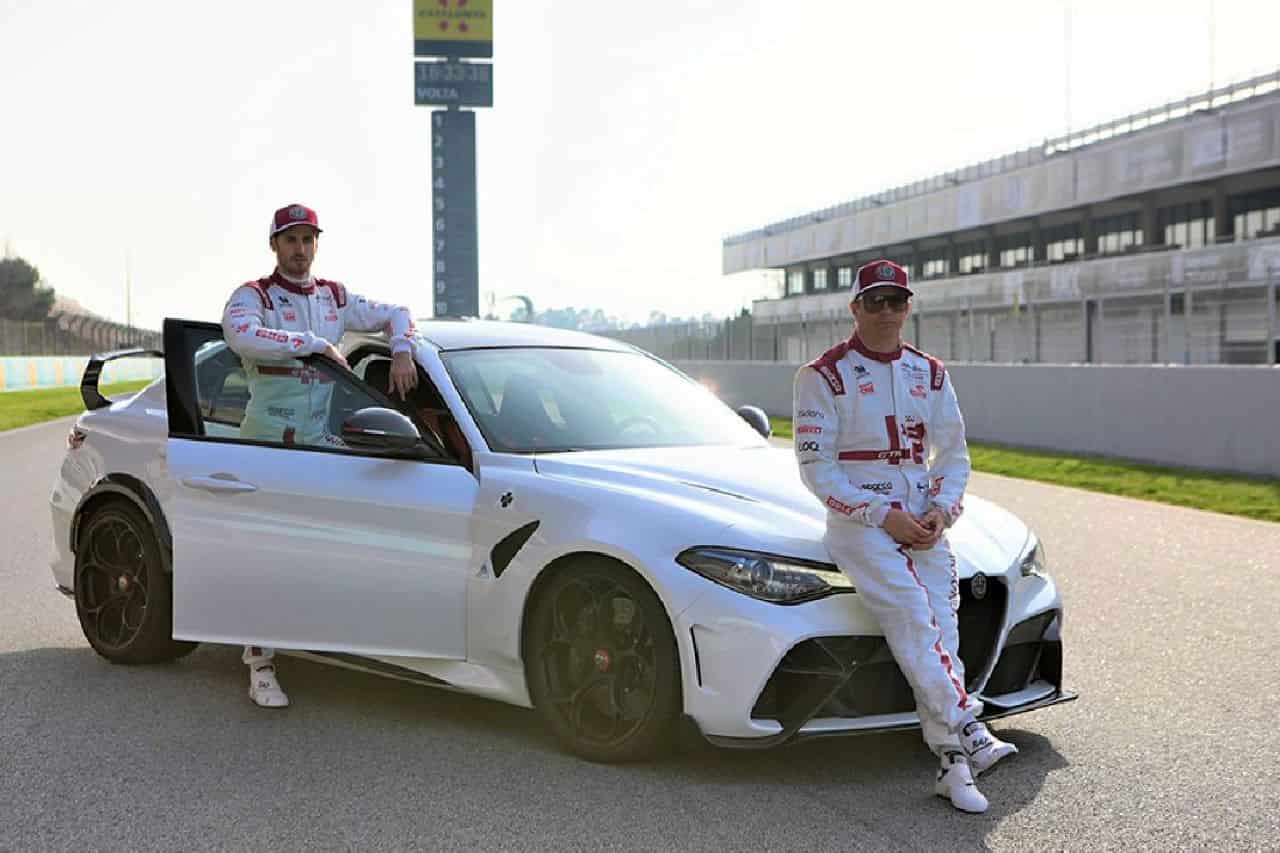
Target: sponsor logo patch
{"points": [[918, 391], [809, 429], [290, 316], [807, 446], [878, 488], [810, 413], [867, 388], [832, 376], [272, 335], [843, 508]]}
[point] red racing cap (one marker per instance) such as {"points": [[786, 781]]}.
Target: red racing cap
{"points": [[291, 215], [881, 273]]}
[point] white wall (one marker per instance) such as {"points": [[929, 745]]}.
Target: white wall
{"points": [[1218, 417]]}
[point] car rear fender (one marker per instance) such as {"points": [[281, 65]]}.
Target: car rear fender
{"points": [[135, 491]]}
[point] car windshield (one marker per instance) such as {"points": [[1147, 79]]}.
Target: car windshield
{"points": [[536, 399]]}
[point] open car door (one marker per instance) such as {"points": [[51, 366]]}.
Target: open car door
{"points": [[300, 540]]}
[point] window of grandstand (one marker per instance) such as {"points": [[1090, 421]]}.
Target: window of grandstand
{"points": [[1188, 226], [971, 257], [1063, 243], [934, 267], [1016, 250], [1117, 233], [820, 279], [795, 282], [1257, 215], [844, 277]]}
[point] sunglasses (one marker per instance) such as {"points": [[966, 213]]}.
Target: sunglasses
{"points": [[876, 302]]}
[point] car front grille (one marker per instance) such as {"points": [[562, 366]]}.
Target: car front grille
{"points": [[857, 676]]}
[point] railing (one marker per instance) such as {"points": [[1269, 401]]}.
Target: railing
{"points": [[71, 334], [1229, 322]]}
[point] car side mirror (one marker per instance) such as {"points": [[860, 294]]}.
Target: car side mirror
{"points": [[376, 428], [757, 418]]}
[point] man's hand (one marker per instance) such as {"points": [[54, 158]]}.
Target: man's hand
{"points": [[404, 373], [935, 522], [330, 351], [905, 530]]}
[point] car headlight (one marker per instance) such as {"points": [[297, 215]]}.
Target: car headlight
{"points": [[768, 577], [1033, 562]]}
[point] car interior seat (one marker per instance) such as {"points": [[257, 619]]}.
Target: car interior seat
{"points": [[522, 418], [425, 402]]}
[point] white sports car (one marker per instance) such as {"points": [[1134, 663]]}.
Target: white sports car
{"points": [[552, 519]]}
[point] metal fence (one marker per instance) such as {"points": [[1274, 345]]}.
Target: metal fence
{"points": [[1225, 323], [71, 334]]}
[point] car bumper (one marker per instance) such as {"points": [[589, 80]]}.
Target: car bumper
{"points": [[758, 674]]}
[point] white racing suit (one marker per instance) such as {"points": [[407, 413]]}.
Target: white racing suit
{"points": [[272, 321], [875, 431]]}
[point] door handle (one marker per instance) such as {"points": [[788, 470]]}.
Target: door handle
{"points": [[219, 483]]}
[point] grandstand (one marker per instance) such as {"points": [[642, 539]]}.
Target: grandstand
{"points": [[1153, 238]]}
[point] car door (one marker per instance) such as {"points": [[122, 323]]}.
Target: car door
{"points": [[309, 544]]}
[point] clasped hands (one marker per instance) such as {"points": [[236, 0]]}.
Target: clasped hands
{"points": [[915, 531]]}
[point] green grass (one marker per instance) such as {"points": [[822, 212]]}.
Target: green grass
{"points": [[23, 408], [1235, 495]]}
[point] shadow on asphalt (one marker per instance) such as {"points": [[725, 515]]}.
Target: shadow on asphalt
{"points": [[880, 784]]}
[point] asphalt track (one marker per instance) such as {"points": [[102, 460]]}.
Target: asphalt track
{"points": [[1171, 641]]}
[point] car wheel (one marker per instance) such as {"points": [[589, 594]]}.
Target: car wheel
{"points": [[124, 597], [602, 663]]}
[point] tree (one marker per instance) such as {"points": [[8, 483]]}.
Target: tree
{"points": [[22, 295]]}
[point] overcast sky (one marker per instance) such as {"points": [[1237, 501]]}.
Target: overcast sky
{"points": [[625, 141]]}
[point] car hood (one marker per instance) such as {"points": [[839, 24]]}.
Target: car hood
{"points": [[759, 491]]}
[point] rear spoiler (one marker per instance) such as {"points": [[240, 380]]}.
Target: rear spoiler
{"points": [[89, 392]]}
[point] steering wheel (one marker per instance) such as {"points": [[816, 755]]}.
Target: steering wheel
{"points": [[645, 421]]}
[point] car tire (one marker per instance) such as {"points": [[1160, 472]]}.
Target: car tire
{"points": [[124, 596], [602, 665]]}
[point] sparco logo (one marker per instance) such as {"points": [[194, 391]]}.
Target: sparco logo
{"points": [[878, 488], [810, 413]]}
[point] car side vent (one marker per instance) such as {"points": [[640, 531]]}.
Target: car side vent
{"points": [[505, 551]]}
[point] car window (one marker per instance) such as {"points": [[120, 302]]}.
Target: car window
{"points": [[528, 399], [288, 402], [222, 390]]}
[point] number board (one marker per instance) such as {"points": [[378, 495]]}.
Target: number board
{"points": [[456, 277]]}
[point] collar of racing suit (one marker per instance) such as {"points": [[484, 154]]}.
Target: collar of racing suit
{"points": [[305, 287], [857, 344]]}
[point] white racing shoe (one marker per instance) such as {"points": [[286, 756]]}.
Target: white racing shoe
{"points": [[955, 783], [264, 690], [983, 748]]}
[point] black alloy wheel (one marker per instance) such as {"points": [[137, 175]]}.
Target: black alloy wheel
{"points": [[123, 595], [602, 663]]}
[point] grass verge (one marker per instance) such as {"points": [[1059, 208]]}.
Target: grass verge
{"points": [[23, 408], [1234, 495]]}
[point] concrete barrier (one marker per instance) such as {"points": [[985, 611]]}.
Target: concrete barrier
{"points": [[1213, 417], [23, 373]]}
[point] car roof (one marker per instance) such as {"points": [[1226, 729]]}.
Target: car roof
{"points": [[483, 334]]}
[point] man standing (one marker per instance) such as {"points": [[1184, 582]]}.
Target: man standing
{"points": [[271, 323], [880, 441]]}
